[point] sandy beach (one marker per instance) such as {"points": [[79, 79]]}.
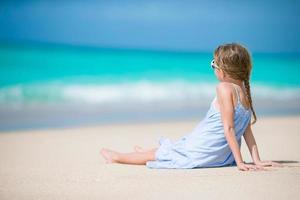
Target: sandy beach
{"points": [[66, 164]]}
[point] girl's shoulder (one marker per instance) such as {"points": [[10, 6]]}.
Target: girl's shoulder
{"points": [[226, 94], [224, 89]]}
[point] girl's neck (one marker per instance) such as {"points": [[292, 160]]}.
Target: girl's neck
{"points": [[237, 82]]}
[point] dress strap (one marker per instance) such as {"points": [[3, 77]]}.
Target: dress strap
{"points": [[236, 91]]}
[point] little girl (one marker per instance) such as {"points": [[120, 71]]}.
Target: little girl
{"points": [[216, 140]]}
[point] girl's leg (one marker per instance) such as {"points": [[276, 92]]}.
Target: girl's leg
{"points": [[136, 158]]}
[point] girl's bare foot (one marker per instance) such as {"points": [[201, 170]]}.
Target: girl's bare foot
{"points": [[109, 155]]}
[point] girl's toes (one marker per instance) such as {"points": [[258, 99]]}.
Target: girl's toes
{"points": [[103, 152], [107, 155]]}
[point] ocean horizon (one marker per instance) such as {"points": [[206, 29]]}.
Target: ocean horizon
{"points": [[49, 85]]}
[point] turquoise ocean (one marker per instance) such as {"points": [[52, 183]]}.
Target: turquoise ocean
{"points": [[47, 85]]}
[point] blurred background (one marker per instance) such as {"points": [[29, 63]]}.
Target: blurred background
{"points": [[69, 63]]}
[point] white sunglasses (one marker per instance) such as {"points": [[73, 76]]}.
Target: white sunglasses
{"points": [[213, 65]]}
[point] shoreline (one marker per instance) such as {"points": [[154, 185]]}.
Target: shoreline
{"points": [[64, 115]]}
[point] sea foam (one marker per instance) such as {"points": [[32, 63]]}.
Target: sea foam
{"points": [[135, 92]]}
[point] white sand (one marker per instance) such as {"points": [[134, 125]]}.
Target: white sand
{"points": [[65, 164]]}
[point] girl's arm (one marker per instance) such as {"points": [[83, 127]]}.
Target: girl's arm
{"points": [[225, 100], [251, 143]]}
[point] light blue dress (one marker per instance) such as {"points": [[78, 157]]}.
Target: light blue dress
{"points": [[206, 145]]}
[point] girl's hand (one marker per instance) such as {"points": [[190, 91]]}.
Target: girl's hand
{"points": [[268, 163], [246, 167]]}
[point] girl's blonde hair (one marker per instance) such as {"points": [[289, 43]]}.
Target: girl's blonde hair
{"points": [[235, 60]]}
